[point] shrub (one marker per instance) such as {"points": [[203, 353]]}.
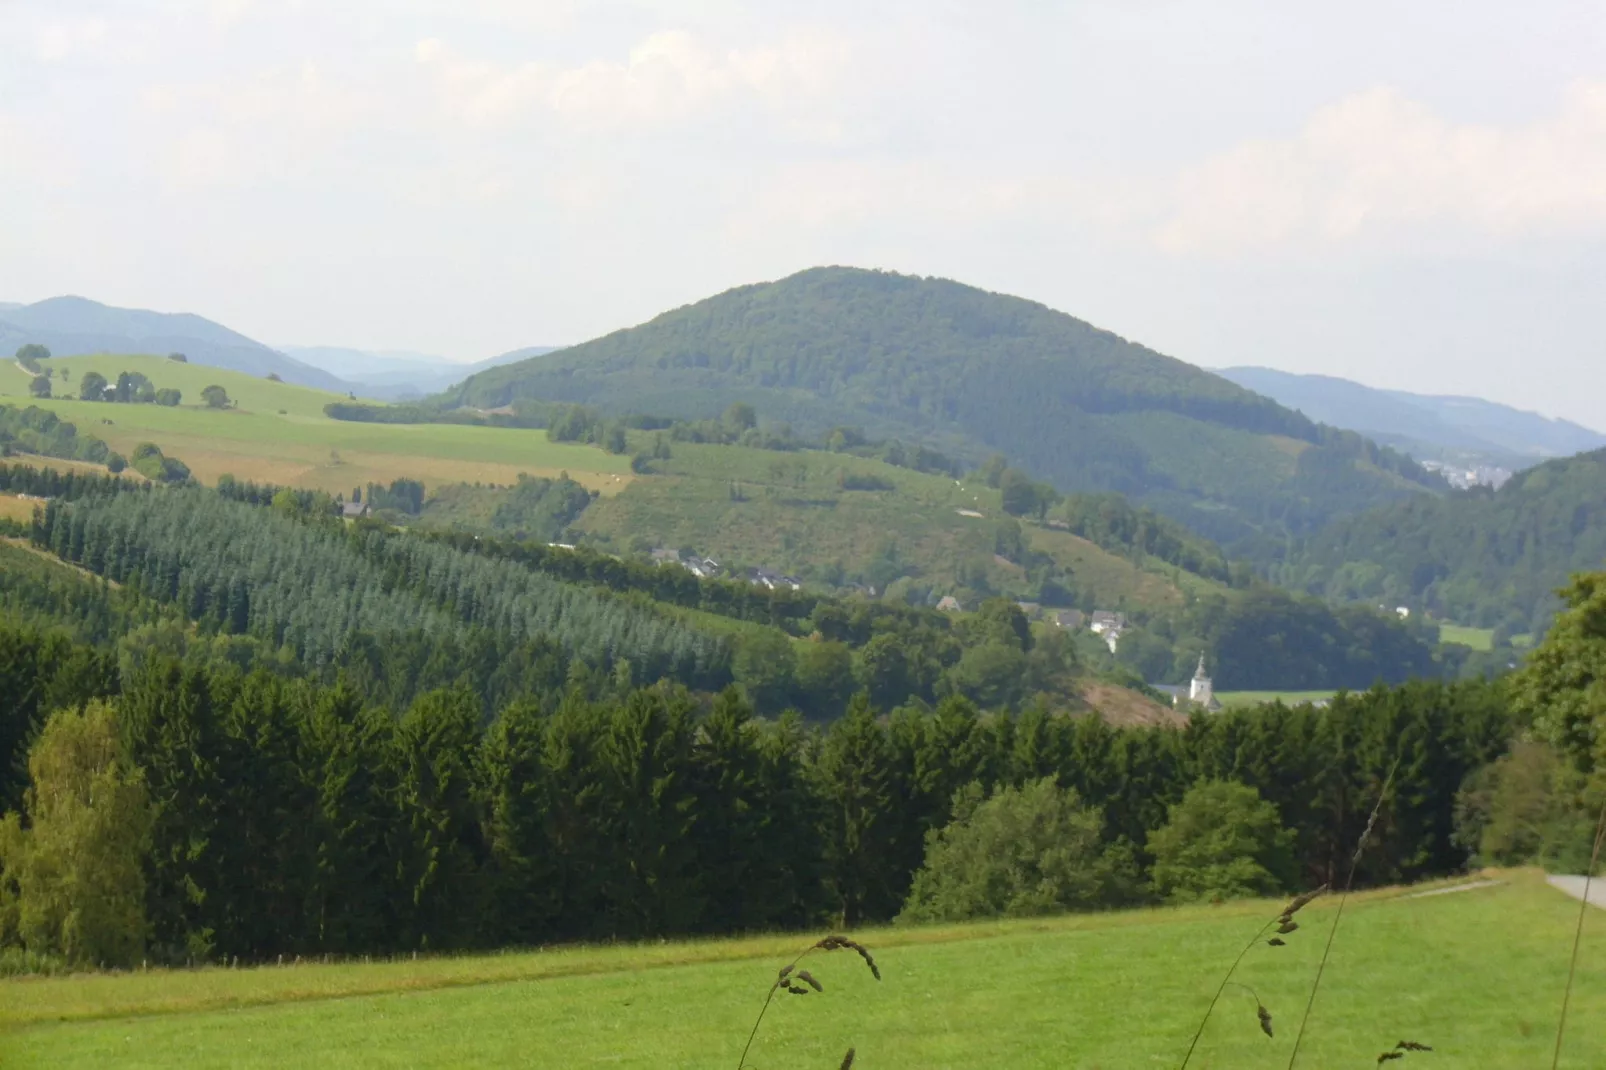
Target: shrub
{"points": [[74, 884], [116, 463], [40, 387], [168, 396], [215, 397], [1030, 850], [1222, 842]]}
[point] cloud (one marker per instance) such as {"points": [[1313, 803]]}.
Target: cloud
{"points": [[59, 40], [1377, 162], [669, 77]]}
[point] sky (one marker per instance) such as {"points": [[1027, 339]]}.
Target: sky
{"points": [[1410, 195]]}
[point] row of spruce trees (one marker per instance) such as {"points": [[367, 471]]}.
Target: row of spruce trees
{"points": [[290, 817]]}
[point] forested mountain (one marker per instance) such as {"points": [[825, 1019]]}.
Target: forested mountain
{"points": [[70, 326], [1429, 427], [974, 372], [1480, 557]]}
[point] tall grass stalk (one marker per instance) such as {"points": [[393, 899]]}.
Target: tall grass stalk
{"points": [[1578, 935], [1355, 861]]}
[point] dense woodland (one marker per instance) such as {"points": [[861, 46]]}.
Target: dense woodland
{"points": [[288, 817], [1491, 558], [973, 372]]}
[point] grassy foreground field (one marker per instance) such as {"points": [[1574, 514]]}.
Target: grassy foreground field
{"points": [[278, 433], [1476, 974]]}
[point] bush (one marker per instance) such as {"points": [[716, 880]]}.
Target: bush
{"points": [[1222, 842], [1024, 851], [179, 357], [74, 885], [215, 397], [116, 463], [1529, 806], [40, 387], [168, 396]]}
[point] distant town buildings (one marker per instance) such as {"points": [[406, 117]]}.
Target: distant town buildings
{"points": [[1463, 478], [1108, 626]]}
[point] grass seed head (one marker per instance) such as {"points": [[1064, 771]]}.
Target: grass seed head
{"points": [[1265, 1018], [808, 978], [1288, 926], [847, 1060], [1277, 941]]}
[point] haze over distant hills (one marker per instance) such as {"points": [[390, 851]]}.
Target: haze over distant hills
{"points": [[973, 372], [72, 326], [397, 374], [1429, 427]]}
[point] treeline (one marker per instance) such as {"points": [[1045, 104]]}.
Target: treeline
{"points": [[40, 431], [288, 818]]}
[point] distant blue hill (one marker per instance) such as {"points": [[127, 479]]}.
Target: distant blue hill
{"points": [[394, 375], [1429, 427], [71, 326]]}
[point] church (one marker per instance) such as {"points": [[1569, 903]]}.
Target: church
{"points": [[1200, 692]]}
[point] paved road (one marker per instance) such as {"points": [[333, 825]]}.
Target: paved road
{"points": [[1574, 886]]}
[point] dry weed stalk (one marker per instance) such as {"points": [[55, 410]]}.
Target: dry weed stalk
{"points": [[1285, 924], [801, 982], [1578, 935], [1399, 1050], [1354, 862]]}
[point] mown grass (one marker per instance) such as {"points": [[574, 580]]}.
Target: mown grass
{"points": [[1237, 699], [15, 508], [278, 433], [1477, 974], [1476, 638]]}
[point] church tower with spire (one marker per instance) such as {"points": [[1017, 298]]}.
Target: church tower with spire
{"points": [[1201, 691]]}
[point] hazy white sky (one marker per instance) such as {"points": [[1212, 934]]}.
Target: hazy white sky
{"points": [[1409, 194]]}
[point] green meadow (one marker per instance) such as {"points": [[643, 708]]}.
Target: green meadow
{"points": [[1477, 974], [1238, 699], [278, 433], [1476, 638]]}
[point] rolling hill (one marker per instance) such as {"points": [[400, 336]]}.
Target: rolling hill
{"points": [[1466, 430], [279, 433], [971, 373], [1487, 558], [72, 326]]}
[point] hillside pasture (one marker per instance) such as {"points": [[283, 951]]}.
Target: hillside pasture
{"points": [[278, 433], [1239, 699], [790, 511], [1476, 638], [17, 509], [1477, 975]]}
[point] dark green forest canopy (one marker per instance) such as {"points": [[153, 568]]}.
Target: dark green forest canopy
{"points": [[974, 372], [1480, 557], [293, 818]]}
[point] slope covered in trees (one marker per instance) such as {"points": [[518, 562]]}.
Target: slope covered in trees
{"points": [[973, 372], [1487, 558]]}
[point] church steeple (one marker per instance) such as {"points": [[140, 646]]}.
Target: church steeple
{"points": [[1202, 691]]}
